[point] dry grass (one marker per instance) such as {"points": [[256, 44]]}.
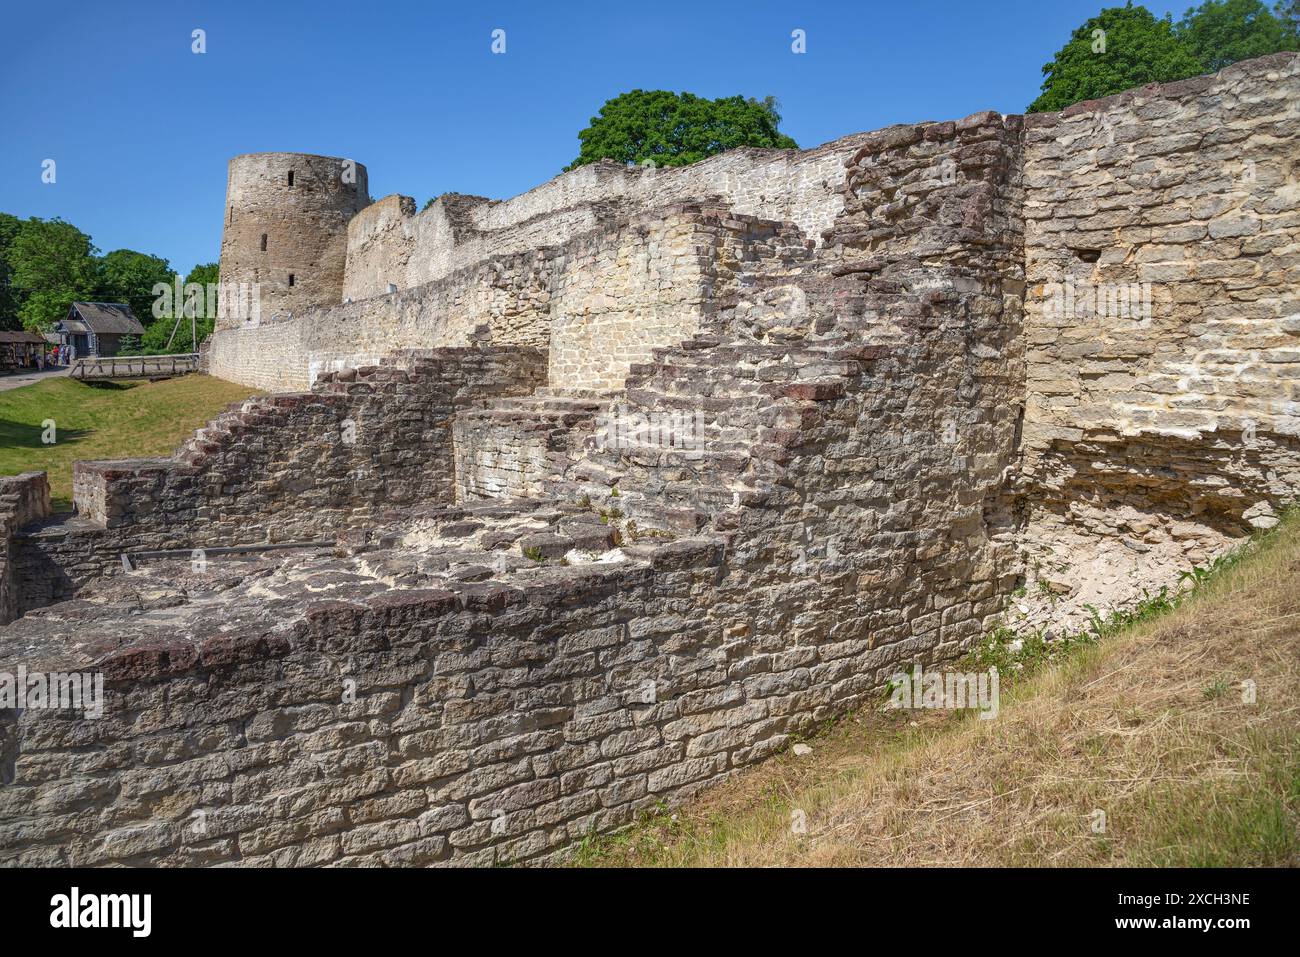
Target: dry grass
{"points": [[1148, 726]]}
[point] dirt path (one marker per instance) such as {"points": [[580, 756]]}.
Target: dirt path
{"points": [[17, 380]]}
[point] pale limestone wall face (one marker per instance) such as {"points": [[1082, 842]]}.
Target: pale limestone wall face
{"points": [[395, 244], [618, 291], [621, 300], [655, 287], [1193, 201], [1163, 427], [378, 247], [799, 186], [504, 302]]}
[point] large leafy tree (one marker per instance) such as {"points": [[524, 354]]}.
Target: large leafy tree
{"points": [[128, 276], [1220, 32], [1120, 48], [9, 297], [673, 129], [157, 334], [1124, 47], [54, 265]]}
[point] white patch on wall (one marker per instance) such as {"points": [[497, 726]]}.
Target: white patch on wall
{"points": [[318, 365]]}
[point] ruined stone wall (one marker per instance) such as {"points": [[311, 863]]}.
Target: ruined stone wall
{"points": [[619, 301], [482, 724], [491, 683], [390, 244], [275, 230], [51, 559], [449, 261], [419, 703], [1162, 256], [861, 422], [281, 468], [378, 247], [24, 499], [395, 244], [509, 448], [617, 291], [504, 302], [803, 187]]}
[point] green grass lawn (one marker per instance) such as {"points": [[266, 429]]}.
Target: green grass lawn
{"points": [[103, 421]]}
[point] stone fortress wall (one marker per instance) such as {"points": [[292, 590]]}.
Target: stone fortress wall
{"points": [[543, 632], [391, 243], [1159, 430], [468, 262], [508, 703]]}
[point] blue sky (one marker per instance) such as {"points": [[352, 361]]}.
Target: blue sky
{"points": [[141, 128]]}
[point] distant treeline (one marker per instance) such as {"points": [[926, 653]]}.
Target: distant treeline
{"points": [[47, 264]]}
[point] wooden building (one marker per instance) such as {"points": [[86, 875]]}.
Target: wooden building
{"points": [[20, 350], [97, 328]]}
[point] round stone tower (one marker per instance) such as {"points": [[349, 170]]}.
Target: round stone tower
{"points": [[286, 232]]}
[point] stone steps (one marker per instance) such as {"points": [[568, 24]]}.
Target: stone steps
{"points": [[263, 411], [754, 402]]}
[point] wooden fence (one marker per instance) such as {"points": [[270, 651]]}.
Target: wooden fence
{"points": [[134, 367]]}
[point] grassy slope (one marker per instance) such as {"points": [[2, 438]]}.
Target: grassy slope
{"points": [[1148, 725], [107, 421]]}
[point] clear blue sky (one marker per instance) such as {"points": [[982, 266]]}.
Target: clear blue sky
{"points": [[141, 128]]}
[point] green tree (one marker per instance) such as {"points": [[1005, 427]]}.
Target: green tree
{"points": [[53, 265], [673, 129], [129, 346], [1120, 48], [9, 297], [157, 333], [128, 276], [1220, 32]]}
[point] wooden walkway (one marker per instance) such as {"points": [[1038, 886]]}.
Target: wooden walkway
{"points": [[134, 367]]}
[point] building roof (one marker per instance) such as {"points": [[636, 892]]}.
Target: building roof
{"points": [[103, 318], [33, 337]]}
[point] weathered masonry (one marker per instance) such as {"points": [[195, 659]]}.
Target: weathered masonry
{"points": [[563, 505]]}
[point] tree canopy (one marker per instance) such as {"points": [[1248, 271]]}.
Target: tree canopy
{"points": [[673, 129], [1120, 48], [48, 264], [1124, 47], [9, 299], [1220, 32], [52, 264], [128, 276], [156, 335]]}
